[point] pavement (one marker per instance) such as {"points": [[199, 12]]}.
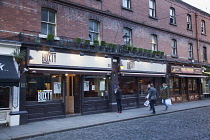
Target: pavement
{"points": [[71, 123]]}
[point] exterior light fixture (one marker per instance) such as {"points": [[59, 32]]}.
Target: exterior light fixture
{"points": [[106, 55], [81, 54], [121, 65], [52, 50], [126, 38], [30, 58]]}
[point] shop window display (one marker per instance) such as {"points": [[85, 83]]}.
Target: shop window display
{"points": [[174, 86], [128, 85], [95, 86], [42, 87]]}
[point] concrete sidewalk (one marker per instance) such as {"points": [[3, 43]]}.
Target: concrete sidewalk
{"points": [[64, 124]]}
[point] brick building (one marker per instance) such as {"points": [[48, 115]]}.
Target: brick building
{"points": [[83, 49]]}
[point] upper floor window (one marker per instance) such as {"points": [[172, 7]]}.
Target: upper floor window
{"points": [[93, 30], [189, 22], [190, 50], [127, 4], [174, 47], [152, 8], [204, 54], [172, 16], [154, 43], [203, 27], [128, 32], [48, 23]]}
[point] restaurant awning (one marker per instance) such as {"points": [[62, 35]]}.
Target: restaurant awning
{"points": [[195, 76], [8, 72], [68, 71], [143, 74]]}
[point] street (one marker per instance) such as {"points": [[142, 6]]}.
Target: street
{"points": [[191, 124]]}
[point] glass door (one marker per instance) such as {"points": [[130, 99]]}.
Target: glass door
{"points": [[184, 91]]}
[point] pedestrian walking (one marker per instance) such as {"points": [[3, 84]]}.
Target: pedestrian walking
{"points": [[164, 95], [118, 99], [152, 97], [147, 97]]}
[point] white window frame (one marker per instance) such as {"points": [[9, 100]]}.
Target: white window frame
{"points": [[127, 4], [174, 47], [172, 16], [48, 22], [91, 32], [190, 50], [189, 22], [203, 27], [154, 42], [152, 8], [129, 33]]}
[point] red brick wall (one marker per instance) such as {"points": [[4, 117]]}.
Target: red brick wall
{"points": [[72, 22]]}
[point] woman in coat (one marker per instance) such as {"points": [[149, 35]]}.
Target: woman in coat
{"points": [[164, 95]]}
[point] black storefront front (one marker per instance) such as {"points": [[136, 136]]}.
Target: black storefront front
{"points": [[60, 84], [134, 77], [185, 83]]}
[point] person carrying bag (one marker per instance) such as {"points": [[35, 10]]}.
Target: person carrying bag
{"points": [[164, 95]]}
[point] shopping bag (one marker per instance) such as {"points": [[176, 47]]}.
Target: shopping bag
{"points": [[168, 101], [146, 103]]}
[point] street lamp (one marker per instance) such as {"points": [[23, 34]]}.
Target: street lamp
{"points": [[126, 38]]}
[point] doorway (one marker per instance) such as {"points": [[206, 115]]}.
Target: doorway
{"points": [[70, 93], [184, 90]]}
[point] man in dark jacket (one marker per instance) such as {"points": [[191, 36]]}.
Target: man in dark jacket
{"points": [[152, 97], [118, 99]]}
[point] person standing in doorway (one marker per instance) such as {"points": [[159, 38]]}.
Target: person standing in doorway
{"points": [[152, 97], [118, 99], [164, 95]]}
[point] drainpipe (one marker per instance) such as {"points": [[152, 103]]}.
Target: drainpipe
{"points": [[197, 39]]}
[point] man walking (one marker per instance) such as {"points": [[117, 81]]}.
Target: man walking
{"points": [[152, 97]]}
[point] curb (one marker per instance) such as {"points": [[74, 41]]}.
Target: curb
{"points": [[69, 129]]}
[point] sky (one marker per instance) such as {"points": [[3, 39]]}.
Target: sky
{"points": [[200, 4]]}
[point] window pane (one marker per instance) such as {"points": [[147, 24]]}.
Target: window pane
{"points": [[151, 4], [4, 94], [37, 83], [128, 85], [51, 17], [176, 85], [190, 86], [95, 86], [44, 28], [95, 36], [90, 26], [125, 3], [51, 29], [44, 15], [195, 91], [171, 88], [95, 26]]}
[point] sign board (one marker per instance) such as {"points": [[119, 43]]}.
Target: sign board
{"points": [[129, 65], [189, 70], [44, 95], [65, 59]]}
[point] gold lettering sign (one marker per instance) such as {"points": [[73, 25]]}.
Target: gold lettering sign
{"points": [[180, 69]]}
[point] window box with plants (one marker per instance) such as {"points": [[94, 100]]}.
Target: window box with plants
{"points": [[87, 44], [77, 42], [50, 39], [103, 46], [141, 51]]}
